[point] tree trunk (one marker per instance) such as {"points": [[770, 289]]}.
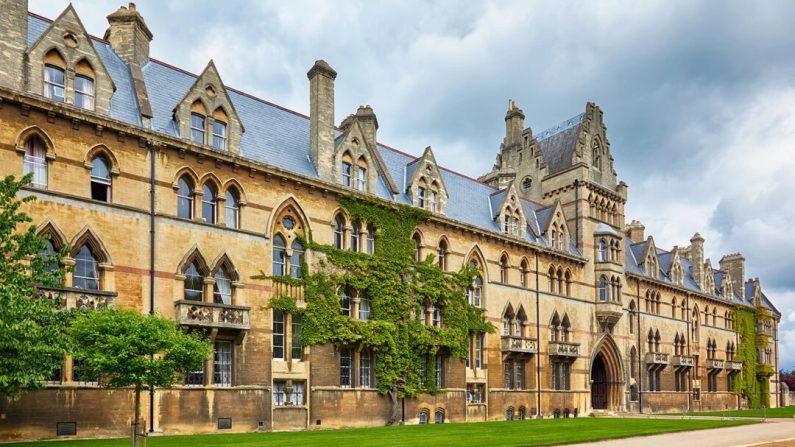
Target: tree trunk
{"points": [[394, 401], [137, 419]]}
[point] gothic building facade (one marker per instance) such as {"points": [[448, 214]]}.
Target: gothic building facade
{"points": [[172, 191]]}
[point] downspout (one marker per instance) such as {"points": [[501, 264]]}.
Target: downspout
{"points": [[152, 153], [640, 350], [577, 212], [538, 338], [689, 386]]}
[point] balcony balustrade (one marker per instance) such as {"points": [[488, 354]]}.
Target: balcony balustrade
{"points": [[519, 345], [656, 358], [212, 315], [564, 349]]}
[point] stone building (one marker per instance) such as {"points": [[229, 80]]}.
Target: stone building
{"points": [[172, 190]]}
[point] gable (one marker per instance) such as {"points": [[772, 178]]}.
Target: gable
{"points": [[424, 172]]}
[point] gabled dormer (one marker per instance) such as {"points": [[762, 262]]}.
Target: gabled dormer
{"points": [[425, 184], [676, 272], [357, 164], [554, 228], [64, 66], [206, 115], [508, 212], [709, 278], [651, 263], [727, 286]]}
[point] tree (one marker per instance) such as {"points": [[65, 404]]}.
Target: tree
{"points": [[125, 348], [32, 344]]}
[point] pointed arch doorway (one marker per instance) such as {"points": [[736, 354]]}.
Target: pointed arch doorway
{"points": [[607, 377]]}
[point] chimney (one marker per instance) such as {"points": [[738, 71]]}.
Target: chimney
{"points": [[129, 35], [697, 259], [514, 125], [635, 231], [321, 117], [734, 265], [14, 43], [368, 121]]}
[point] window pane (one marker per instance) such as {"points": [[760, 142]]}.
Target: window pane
{"points": [[54, 83], [297, 397], [297, 259], [208, 204], [231, 209], [278, 334], [194, 284], [278, 394], [297, 348], [85, 273], [197, 128], [223, 288], [223, 363], [185, 199], [84, 92], [219, 135], [345, 368]]}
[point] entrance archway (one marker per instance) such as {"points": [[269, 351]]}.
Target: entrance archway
{"points": [[607, 376]]}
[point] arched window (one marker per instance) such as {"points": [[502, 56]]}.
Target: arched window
{"points": [[602, 253], [567, 279], [364, 306], [54, 82], [509, 414], [355, 236], [100, 179], [551, 278], [650, 341], [185, 198], [296, 259], [565, 328], [370, 239], [439, 417], [523, 273], [522, 413], [442, 250], [279, 256], [194, 283], [361, 174], [673, 307], [219, 128], [504, 269], [86, 275], [422, 192], [232, 208], [603, 289], [197, 128], [632, 317], [35, 162], [47, 251], [715, 316], [339, 232], [208, 203], [597, 156], [433, 197], [347, 169], [345, 302], [222, 290], [554, 328], [560, 281], [417, 247], [423, 417]]}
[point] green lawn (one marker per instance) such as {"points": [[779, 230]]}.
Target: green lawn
{"points": [[783, 412], [492, 434]]}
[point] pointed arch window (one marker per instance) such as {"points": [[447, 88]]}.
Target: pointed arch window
{"points": [[421, 192], [364, 307], [54, 83], [632, 317], [232, 208], [84, 92], [100, 179], [208, 203], [417, 247], [279, 256], [35, 162], [194, 283], [185, 198], [222, 290], [442, 251], [355, 236], [523, 274], [602, 250], [339, 232], [47, 251], [345, 303], [370, 239], [554, 328], [296, 259], [504, 269], [603, 289], [86, 275], [475, 292]]}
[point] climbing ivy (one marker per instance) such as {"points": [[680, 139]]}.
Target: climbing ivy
{"points": [[398, 288], [753, 382]]}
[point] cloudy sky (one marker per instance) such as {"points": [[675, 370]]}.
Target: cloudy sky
{"points": [[699, 97]]}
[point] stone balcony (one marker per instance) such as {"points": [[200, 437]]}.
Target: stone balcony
{"points": [[608, 312], [734, 366], [518, 345], [563, 349], [656, 358], [212, 315], [714, 364], [682, 361], [72, 298], [288, 290]]}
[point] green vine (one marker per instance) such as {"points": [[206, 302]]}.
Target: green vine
{"points": [[398, 288], [753, 382]]}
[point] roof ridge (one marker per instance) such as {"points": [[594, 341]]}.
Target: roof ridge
{"points": [[560, 127], [441, 168], [51, 21]]}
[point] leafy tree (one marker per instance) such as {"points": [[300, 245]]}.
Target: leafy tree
{"points": [[32, 344], [125, 348]]}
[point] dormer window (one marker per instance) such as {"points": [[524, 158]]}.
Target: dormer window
{"points": [[197, 128], [421, 193], [361, 174], [432, 197], [54, 83], [84, 92], [219, 135], [347, 170]]}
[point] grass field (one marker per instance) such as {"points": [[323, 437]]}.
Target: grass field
{"points": [[783, 412], [493, 434]]}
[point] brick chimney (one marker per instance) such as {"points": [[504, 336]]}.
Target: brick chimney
{"points": [[129, 35], [634, 230], [734, 265], [368, 122], [696, 255], [514, 125], [14, 43], [321, 117]]}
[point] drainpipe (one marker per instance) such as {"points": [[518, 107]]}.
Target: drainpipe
{"points": [[640, 351], [152, 153], [689, 386], [538, 338], [577, 212]]}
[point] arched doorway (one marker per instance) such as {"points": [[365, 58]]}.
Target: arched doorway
{"points": [[607, 376], [598, 384]]}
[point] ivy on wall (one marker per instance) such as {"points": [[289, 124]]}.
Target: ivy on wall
{"points": [[753, 382], [399, 288]]}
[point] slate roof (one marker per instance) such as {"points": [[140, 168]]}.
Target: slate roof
{"points": [[558, 143]]}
